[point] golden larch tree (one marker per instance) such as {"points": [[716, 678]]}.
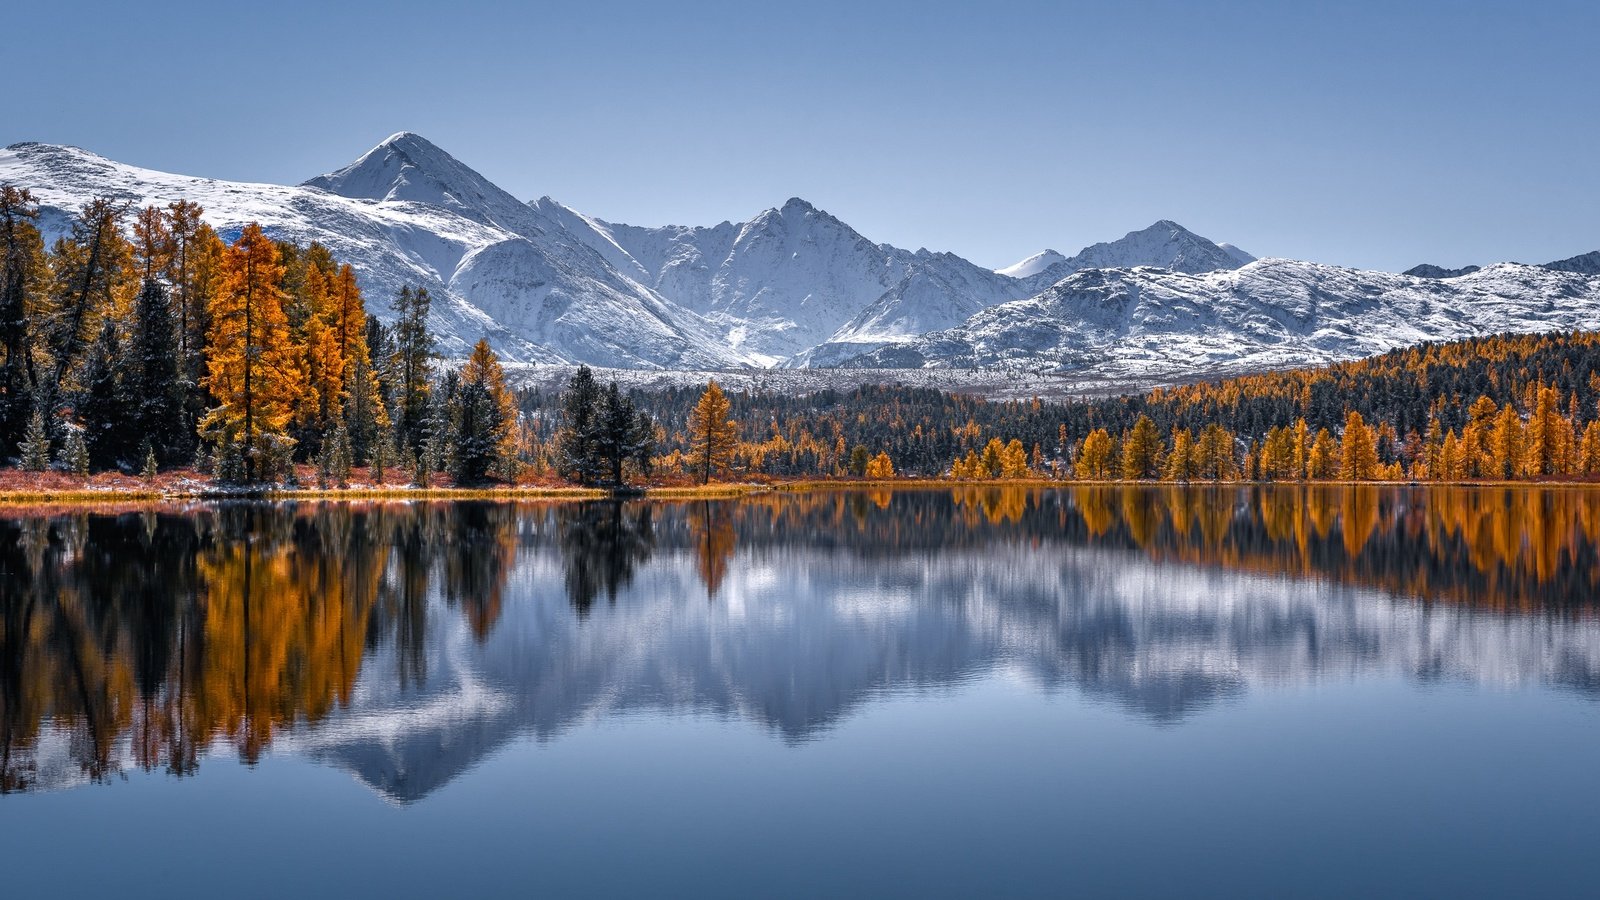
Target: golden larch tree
{"points": [[253, 370], [712, 434]]}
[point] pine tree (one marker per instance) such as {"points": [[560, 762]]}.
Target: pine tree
{"points": [[712, 434], [150, 468]]}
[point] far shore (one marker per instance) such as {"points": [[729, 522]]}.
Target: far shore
{"points": [[124, 490]]}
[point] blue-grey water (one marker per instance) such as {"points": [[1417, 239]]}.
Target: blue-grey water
{"points": [[1091, 691]]}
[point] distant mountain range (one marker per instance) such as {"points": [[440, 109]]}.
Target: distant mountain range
{"points": [[796, 287]]}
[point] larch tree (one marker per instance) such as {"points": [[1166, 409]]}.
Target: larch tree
{"points": [[1141, 451], [253, 370], [1358, 450], [712, 434], [1094, 461]]}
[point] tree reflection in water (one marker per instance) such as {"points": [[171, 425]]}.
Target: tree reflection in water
{"points": [[148, 638]]}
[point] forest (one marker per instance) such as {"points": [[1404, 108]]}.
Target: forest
{"points": [[143, 341]]}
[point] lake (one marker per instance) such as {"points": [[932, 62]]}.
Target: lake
{"points": [[1235, 691]]}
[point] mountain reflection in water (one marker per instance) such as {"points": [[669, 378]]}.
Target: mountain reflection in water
{"points": [[405, 641]]}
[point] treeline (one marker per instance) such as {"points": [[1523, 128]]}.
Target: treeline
{"points": [[1502, 407], [142, 339]]}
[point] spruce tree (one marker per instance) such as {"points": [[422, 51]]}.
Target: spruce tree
{"points": [[22, 265], [35, 446], [413, 362], [577, 452], [108, 408], [152, 378], [74, 455]]}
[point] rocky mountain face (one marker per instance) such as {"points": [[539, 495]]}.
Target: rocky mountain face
{"points": [[1159, 324], [796, 287]]}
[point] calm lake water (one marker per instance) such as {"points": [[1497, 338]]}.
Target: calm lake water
{"points": [[1091, 691]]}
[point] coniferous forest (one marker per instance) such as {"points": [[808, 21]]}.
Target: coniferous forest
{"points": [[143, 340]]}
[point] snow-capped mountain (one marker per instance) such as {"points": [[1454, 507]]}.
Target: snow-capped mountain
{"points": [[1429, 270], [1164, 245], [793, 277], [1157, 324], [1033, 265], [798, 287], [409, 213]]}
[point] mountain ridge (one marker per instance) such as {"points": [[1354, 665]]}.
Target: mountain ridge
{"points": [[792, 286]]}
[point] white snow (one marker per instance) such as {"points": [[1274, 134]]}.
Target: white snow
{"points": [[796, 287]]}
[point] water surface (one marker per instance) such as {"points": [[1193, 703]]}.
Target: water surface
{"points": [[1240, 691]]}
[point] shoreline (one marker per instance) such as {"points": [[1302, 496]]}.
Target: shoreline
{"points": [[90, 496]]}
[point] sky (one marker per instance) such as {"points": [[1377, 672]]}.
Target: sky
{"points": [[1377, 135]]}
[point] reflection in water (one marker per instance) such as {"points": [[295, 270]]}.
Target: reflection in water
{"points": [[405, 641]]}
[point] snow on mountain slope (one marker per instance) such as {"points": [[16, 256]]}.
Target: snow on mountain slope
{"points": [[1165, 245], [1152, 323], [1033, 265], [792, 277], [416, 216]]}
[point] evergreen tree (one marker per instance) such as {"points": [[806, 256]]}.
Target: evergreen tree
{"points": [[484, 417], [74, 455], [364, 414], [622, 432], [108, 408], [860, 456], [22, 268], [152, 375], [35, 446], [413, 363], [578, 441]]}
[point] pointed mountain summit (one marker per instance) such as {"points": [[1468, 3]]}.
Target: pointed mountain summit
{"points": [[1164, 245], [1033, 265], [409, 167]]}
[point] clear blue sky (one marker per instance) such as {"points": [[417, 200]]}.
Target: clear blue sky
{"points": [[1355, 133]]}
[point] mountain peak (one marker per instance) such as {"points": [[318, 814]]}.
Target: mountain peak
{"points": [[1033, 265], [408, 166]]}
